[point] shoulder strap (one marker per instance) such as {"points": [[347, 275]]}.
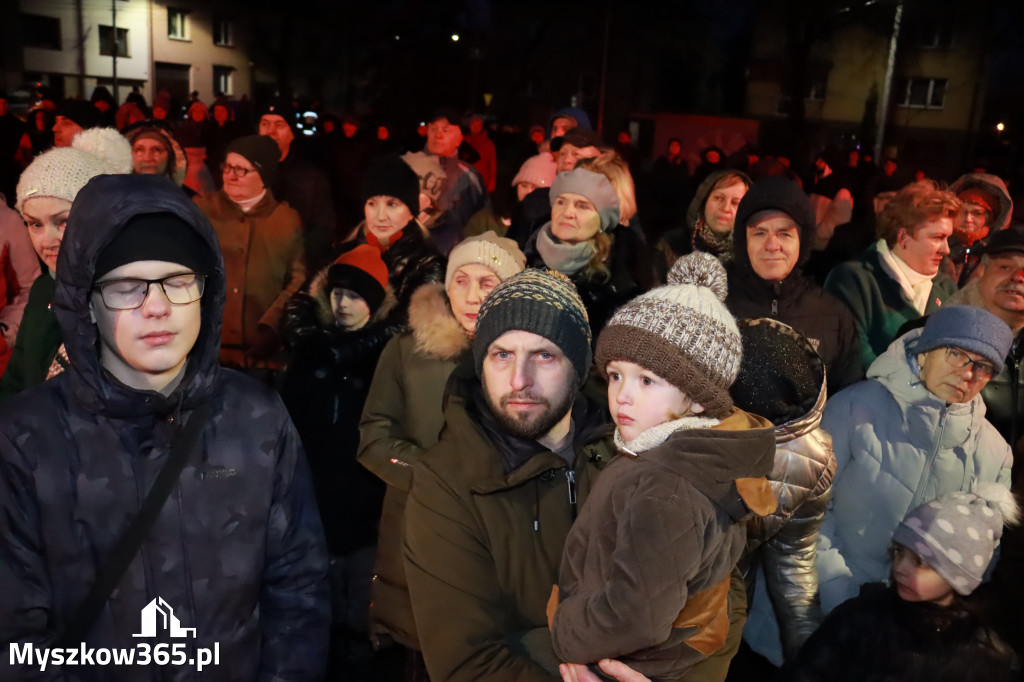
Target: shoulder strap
{"points": [[127, 546]]}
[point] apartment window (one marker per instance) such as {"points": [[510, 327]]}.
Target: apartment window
{"points": [[222, 33], [40, 31], [921, 93], [177, 24], [113, 45], [223, 77], [815, 92], [932, 34]]}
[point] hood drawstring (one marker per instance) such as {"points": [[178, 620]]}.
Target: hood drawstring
{"points": [[536, 507]]}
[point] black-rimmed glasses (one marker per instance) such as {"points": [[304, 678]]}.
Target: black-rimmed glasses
{"points": [[128, 293]]}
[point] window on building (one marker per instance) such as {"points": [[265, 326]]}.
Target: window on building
{"points": [[223, 79], [177, 24], [933, 33], [40, 31], [113, 45], [920, 93], [814, 92], [222, 33]]}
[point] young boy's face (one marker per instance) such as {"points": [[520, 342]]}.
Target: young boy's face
{"points": [[916, 581], [350, 309], [146, 347], [639, 399]]}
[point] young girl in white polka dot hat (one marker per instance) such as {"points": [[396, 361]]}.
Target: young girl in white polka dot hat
{"points": [[922, 626]]}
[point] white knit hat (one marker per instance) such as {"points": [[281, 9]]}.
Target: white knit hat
{"points": [[63, 171], [500, 254]]}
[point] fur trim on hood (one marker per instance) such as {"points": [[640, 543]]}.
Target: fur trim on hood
{"points": [[436, 331], [322, 297]]}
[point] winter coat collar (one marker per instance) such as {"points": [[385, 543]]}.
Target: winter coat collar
{"points": [[101, 210], [435, 330], [728, 463], [897, 370]]}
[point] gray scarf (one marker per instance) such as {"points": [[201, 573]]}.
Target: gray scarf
{"points": [[567, 259]]}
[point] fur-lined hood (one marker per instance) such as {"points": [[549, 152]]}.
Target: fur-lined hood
{"points": [[433, 326], [321, 295]]}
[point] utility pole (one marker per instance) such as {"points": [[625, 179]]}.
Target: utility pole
{"points": [[883, 105], [604, 68], [113, 20], [80, 57]]}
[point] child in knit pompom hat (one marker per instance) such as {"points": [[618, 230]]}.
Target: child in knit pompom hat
{"points": [[922, 627], [646, 568]]}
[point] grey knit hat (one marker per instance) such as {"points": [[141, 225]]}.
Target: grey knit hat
{"points": [[956, 534], [543, 302], [682, 332], [593, 186], [970, 328], [488, 249]]}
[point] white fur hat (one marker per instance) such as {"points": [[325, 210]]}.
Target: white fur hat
{"points": [[63, 171]]}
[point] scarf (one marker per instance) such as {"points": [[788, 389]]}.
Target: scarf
{"points": [[656, 435], [718, 245], [915, 286], [372, 240], [567, 259]]}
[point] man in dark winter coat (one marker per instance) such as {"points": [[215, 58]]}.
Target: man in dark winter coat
{"points": [[491, 503], [302, 184], [236, 549], [771, 243]]}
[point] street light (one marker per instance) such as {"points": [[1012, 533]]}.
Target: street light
{"points": [[1000, 127], [455, 37]]}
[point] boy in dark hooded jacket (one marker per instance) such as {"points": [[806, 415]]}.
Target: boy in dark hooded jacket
{"points": [[236, 550]]}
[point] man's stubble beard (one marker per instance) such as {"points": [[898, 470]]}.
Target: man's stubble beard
{"points": [[530, 426]]}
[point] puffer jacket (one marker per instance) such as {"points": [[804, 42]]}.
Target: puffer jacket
{"points": [[779, 560], [645, 574], [487, 519], [897, 446], [237, 550], [265, 265], [325, 386], [401, 419]]}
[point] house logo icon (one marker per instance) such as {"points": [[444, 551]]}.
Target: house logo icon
{"points": [[159, 614]]}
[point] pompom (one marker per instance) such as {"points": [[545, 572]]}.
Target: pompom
{"points": [[703, 270], [1002, 500], [108, 145]]}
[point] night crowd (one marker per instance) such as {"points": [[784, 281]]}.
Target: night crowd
{"points": [[358, 403]]}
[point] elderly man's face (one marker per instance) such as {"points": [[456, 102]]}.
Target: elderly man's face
{"points": [[954, 374], [443, 137], [149, 156], [1001, 284]]}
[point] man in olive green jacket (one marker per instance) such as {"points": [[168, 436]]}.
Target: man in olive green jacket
{"points": [[492, 502]]}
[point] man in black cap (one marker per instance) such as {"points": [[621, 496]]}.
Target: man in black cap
{"points": [[574, 146], [301, 183], [73, 116]]}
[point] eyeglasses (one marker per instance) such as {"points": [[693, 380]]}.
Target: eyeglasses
{"points": [[238, 171], [979, 370], [128, 293]]}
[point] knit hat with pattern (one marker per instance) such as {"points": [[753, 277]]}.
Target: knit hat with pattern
{"points": [[488, 249], [63, 171], [543, 302], [682, 332], [956, 534]]}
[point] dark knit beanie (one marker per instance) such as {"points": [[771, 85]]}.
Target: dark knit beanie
{"points": [[361, 270], [278, 107], [156, 236], [682, 332], [781, 375], [969, 328], [262, 152], [392, 177], [542, 302], [81, 112]]}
